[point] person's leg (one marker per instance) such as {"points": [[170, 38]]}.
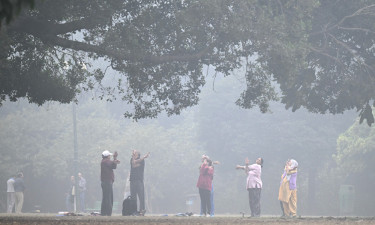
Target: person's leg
{"points": [[141, 196], [286, 208], [257, 194], [103, 209], [212, 202], [111, 199], [203, 204], [82, 201], [18, 202], [208, 201], [282, 208], [107, 201], [133, 190], [202, 207], [9, 202], [13, 201], [251, 201], [21, 202], [293, 203]]}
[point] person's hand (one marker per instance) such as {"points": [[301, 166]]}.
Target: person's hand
{"points": [[147, 155], [238, 167], [115, 155], [216, 162], [204, 157], [247, 161]]}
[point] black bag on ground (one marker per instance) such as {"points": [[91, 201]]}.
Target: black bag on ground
{"points": [[129, 206]]}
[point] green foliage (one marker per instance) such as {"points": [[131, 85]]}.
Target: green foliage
{"points": [[355, 152], [355, 158], [318, 52]]}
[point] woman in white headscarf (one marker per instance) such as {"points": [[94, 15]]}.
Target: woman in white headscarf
{"points": [[288, 189]]}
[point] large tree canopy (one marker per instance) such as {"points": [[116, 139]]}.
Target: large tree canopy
{"points": [[319, 52]]}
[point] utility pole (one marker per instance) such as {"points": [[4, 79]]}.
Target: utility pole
{"points": [[75, 161]]}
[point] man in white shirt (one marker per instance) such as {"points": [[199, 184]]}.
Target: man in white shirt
{"points": [[10, 195]]}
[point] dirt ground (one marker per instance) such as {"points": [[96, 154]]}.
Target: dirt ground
{"points": [[50, 219]]}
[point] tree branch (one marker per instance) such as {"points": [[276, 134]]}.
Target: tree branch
{"points": [[356, 29], [40, 27], [368, 10], [86, 23], [361, 11], [352, 52], [48, 31], [80, 46], [327, 55]]}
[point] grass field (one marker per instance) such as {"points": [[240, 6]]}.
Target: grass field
{"points": [[51, 219]]}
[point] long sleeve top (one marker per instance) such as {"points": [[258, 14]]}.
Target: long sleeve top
{"points": [[19, 185], [206, 175], [292, 178], [254, 176], [107, 167]]}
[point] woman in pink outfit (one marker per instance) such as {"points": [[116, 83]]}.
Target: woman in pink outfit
{"points": [[206, 174]]}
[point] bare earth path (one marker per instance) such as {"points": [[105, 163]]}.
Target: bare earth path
{"points": [[51, 219]]}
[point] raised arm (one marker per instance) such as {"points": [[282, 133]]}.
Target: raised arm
{"points": [[246, 167], [115, 160], [238, 167], [137, 162], [291, 171]]}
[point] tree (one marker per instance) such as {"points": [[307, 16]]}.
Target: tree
{"points": [[354, 158], [319, 53]]}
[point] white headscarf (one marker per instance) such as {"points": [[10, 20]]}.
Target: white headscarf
{"points": [[293, 164]]}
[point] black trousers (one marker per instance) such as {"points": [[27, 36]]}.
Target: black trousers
{"points": [[107, 200], [254, 201], [137, 188], [205, 201]]}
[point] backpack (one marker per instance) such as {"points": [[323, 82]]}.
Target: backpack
{"points": [[129, 206]]}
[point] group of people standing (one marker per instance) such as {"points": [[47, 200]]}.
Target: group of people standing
{"points": [[71, 194], [287, 190], [15, 189], [137, 165]]}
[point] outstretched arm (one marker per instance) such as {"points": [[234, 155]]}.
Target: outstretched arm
{"points": [[238, 167], [137, 162], [246, 167]]}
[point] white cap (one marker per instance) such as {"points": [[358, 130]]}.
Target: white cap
{"points": [[106, 153]]}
